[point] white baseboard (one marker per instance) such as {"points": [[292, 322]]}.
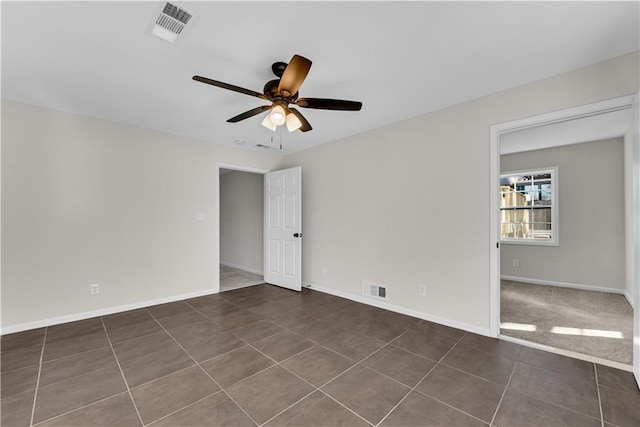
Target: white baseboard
{"points": [[402, 310], [243, 268], [629, 299], [563, 284], [102, 312]]}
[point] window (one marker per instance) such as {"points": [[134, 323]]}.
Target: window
{"points": [[528, 207]]}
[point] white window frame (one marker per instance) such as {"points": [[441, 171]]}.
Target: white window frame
{"points": [[554, 241]]}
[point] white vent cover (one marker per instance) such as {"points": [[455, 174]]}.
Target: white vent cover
{"points": [[374, 290], [171, 22]]}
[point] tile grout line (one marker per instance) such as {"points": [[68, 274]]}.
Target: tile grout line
{"points": [[35, 393], [75, 354], [188, 406], [314, 387], [78, 409], [290, 406], [276, 363], [357, 363], [440, 361], [495, 413], [202, 369], [327, 381], [121, 372], [343, 405], [77, 376], [454, 341], [558, 406], [296, 375], [165, 376], [418, 383], [261, 370], [566, 408], [451, 406], [595, 371], [474, 375]]}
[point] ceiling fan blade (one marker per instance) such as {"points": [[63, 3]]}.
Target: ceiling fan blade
{"points": [[230, 87], [249, 113], [306, 127], [294, 75], [329, 104]]}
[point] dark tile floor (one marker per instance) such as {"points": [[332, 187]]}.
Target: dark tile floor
{"points": [[268, 356]]}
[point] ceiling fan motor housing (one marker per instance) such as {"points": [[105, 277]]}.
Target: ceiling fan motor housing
{"points": [[271, 87], [278, 68]]}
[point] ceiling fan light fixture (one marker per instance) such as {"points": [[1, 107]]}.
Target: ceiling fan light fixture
{"points": [[293, 123], [277, 115], [268, 124]]}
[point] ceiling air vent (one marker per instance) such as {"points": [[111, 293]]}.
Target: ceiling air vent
{"points": [[171, 22]]}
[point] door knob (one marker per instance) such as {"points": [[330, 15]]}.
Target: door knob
{"points": [[297, 234]]}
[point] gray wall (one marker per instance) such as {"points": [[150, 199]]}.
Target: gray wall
{"points": [[591, 217], [88, 201], [241, 220], [408, 204]]}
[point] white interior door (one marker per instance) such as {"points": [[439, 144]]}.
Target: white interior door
{"points": [[283, 228]]}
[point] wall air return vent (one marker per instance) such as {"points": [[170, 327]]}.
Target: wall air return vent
{"points": [[171, 22], [374, 290]]}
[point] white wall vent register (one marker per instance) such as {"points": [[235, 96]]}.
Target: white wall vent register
{"points": [[373, 290]]}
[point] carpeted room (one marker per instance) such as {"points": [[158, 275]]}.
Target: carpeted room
{"points": [[586, 304]]}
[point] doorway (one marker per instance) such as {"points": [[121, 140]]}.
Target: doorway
{"points": [[541, 292], [241, 207]]}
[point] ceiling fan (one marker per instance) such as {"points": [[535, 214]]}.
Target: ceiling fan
{"points": [[282, 92]]}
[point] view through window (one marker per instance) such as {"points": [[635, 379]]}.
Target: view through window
{"points": [[528, 206]]}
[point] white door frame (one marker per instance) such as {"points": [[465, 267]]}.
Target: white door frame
{"points": [[635, 185], [241, 168], [497, 131]]}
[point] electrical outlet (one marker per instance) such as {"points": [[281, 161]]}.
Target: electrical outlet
{"points": [[324, 271], [515, 262], [95, 289], [422, 290]]}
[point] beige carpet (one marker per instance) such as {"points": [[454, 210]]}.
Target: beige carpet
{"points": [[594, 323], [232, 278]]}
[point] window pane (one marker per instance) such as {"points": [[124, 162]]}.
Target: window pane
{"points": [[509, 197], [542, 215], [526, 201]]}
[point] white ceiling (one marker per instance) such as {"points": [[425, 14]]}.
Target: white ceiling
{"points": [[401, 59]]}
